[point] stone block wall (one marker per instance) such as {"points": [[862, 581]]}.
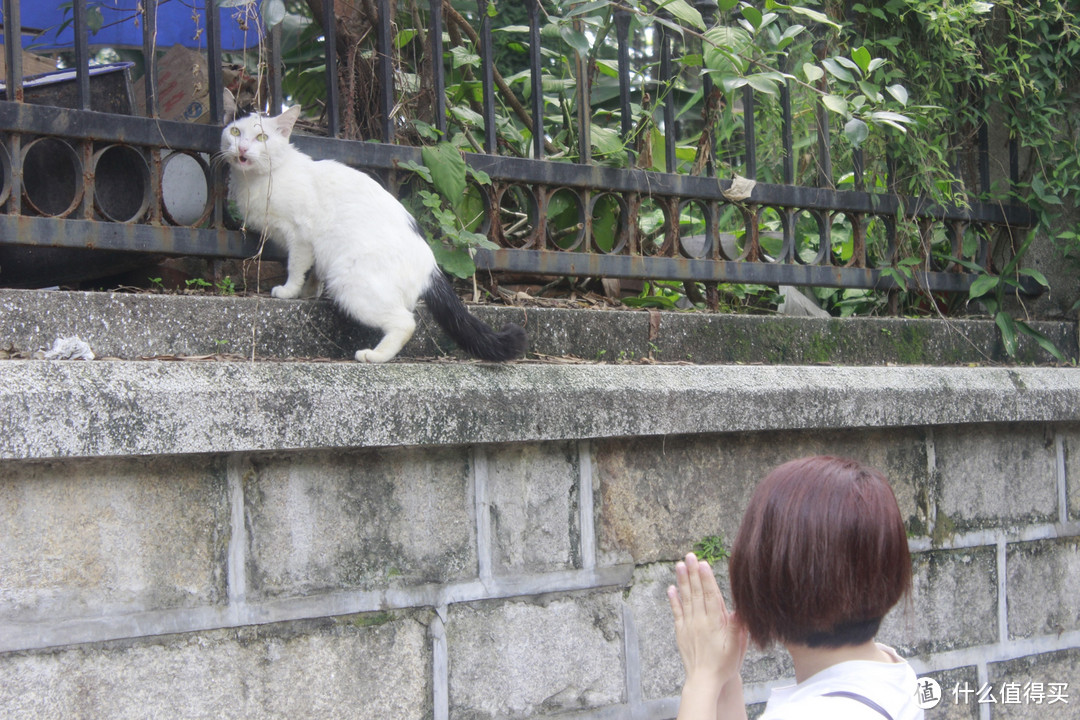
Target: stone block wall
{"points": [[498, 580]]}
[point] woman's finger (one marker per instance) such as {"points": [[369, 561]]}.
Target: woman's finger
{"points": [[694, 577], [676, 605], [714, 600], [682, 580]]}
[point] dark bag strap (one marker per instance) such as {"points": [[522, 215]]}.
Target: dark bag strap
{"points": [[861, 698]]}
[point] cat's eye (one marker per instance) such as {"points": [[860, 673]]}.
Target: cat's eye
{"points": [[262, 137], [234, 131]]}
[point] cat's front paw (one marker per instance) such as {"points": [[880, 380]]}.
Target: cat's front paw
{"points": [[370, 356], [284, 292]]}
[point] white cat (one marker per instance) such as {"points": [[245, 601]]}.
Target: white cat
{"points": [[366, 249]]}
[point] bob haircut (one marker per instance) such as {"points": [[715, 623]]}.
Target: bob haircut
{"points": [[821, 555]]}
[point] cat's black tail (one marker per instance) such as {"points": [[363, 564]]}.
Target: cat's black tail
{"points": [[471, 335]]}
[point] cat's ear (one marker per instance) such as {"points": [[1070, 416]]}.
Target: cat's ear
{"points": [[286, 120], [229, 105]]}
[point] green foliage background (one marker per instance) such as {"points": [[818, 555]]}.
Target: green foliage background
{"points": [[907, 80]]}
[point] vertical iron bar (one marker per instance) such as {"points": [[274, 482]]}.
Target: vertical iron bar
{"points": [[438, 70], [385, 47], [213, 61], [333, 113], [536, 82], [708, 9], [274, 65], [622, 34], [1014, 165], [984, 158], [825, 179], [13, 50], [858, 169], [82, 102], [787, 133], [748, 132], [13, 56], [584, 102], [149, 20], [669, 101], [487, 65], [82, 55]]}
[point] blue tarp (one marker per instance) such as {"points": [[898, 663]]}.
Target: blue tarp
{"points": [[178, 22]]}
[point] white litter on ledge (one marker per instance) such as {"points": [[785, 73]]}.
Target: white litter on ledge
{"points": [[70, 348]]}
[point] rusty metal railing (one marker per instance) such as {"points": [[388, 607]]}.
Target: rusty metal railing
{"points": [[116, 168]]}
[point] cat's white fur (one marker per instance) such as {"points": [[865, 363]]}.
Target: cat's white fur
{"points": [[363, 244]]}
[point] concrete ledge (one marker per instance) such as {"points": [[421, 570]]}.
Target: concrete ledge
{"points": [[54, 409], [138, 325]]}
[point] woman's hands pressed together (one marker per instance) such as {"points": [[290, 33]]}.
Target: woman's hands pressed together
{"points": [[711, 642]]}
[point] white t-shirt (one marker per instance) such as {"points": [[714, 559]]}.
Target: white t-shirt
{"points": [[890, 685]]}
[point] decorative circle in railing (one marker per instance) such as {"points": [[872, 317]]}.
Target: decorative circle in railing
{"points": [[5, 173], [610, 231], [185, 189], [976, 244], [875, 241], [944, 242], [565, 220], [652, 226], [695, 229], [771, 224], [811, 237], [52, 177], [475, 209], [842, 232], [733, 227], [517, 217], [121, 183]]}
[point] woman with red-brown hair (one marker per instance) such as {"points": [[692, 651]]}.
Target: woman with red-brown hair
{"points": [[820, 558]]}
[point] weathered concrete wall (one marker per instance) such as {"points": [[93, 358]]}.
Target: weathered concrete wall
{"points": [[434, 540]]}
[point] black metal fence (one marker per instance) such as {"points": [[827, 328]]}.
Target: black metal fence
{"points": [[76, 176]]}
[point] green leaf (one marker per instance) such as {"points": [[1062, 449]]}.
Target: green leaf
{"points": [[812, 72], [456, 261], [899, 92], [835, 103], [856, 131], [814, 15], [272, 11], [1036, 275], [459, 57], [1007, 326], [982, 285], [752, 15], [836, 70], [890, 116], [792, 31], [575, 40], [862, 58], [1044, 342], [895, 275], [722, 47], [684, 12], [95, 20], [447, 170], [417, 168], [404, 37], [606, 140]]}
